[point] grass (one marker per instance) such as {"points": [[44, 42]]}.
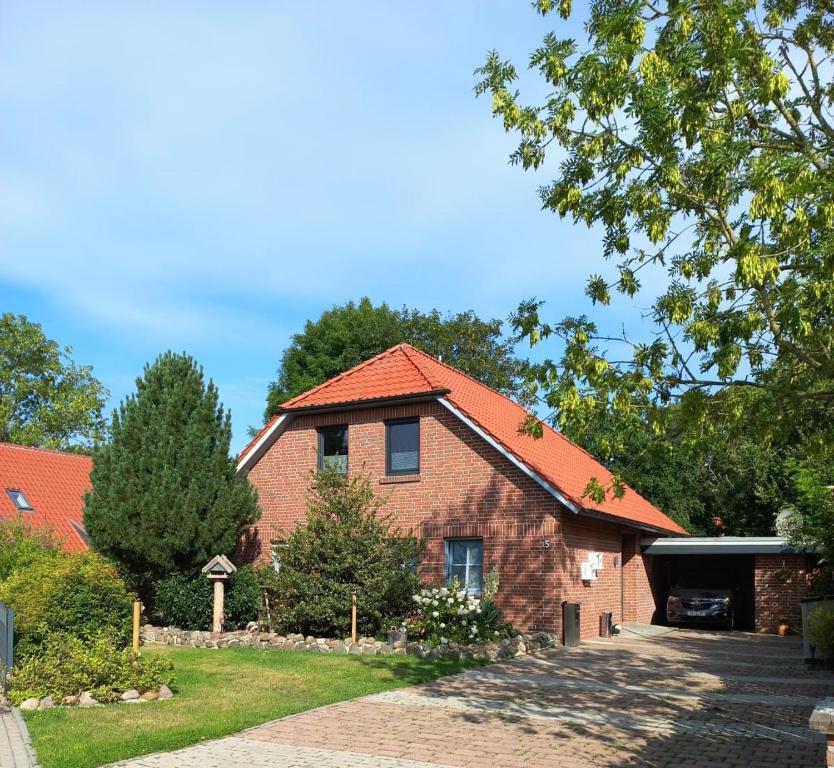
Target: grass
{"points": [[219, 692]]}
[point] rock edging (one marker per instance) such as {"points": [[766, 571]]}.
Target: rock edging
{"points": [[517, 644], [85, 699]]}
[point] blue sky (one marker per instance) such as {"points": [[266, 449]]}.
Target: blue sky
{"points": [[206, 176]]}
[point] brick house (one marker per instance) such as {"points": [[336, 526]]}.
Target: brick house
{"points": [[448, 454]]}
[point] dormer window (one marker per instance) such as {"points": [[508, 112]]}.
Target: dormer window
{"points": [[20, 501]]}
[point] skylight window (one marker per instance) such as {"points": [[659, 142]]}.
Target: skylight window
{"points": [[20, 501]]}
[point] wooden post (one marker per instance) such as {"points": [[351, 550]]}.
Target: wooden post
{"points": [[353, 616], [217, 612], [137, 613]]}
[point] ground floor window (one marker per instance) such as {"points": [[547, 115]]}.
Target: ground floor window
{"points": [[278, 548], [464, 560]]}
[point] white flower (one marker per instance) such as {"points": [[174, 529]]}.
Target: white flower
{"points": [[464, 623], [417, 599], [444, 591], [435, 614], [495, 633], [434, 602], [442, 625], [449, 601], [462, 594], [443, 640]]}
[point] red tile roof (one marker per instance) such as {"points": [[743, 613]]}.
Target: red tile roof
{"points": [[404, 371], [54, 484]]}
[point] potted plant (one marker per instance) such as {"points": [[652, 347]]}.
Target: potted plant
{"points": [[784, 628]]}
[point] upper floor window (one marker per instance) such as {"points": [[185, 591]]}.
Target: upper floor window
{"points": [[333, 448], [20, 501], [402, 447], [464, 561]]}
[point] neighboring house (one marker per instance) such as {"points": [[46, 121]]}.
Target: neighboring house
{"points": [[45, 489], [449, 455]]}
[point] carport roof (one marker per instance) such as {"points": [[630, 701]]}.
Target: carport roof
{"points": [[719, 545]]}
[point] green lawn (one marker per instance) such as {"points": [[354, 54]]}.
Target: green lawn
{"points": [[219, 692]]}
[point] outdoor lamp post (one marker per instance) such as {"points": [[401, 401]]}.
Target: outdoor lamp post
{"points": [[218, 570]]}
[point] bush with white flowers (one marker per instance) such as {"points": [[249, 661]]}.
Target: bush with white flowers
{"points": [[449, 614]]}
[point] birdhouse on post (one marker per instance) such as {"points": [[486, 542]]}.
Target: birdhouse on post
{"points": [[218, 570]]}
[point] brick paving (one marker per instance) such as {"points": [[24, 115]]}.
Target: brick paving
{"points": [[682, 700]]}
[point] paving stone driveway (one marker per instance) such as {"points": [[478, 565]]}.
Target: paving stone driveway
{"points": [[693, 699]]}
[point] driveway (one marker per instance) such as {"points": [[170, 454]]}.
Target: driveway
{"points": [[684, 698]]}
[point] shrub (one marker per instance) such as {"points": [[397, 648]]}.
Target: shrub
{"points": [[449, 615], [79, 594], [243, 601], [20, 546], [821, 631], [67, 666], [346, 544], [183, 601], [186, 602]]}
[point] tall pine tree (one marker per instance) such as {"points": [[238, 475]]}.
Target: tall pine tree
{"points": [[165, 497]]}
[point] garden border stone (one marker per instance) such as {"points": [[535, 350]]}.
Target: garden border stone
{"points": [[516, 644]]}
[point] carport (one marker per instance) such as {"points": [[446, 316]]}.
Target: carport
{"points": [[767, 575]]}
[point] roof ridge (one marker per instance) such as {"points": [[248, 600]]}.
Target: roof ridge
{"points": [[38, 449], [405, 346], [340, 376], [460, 373]]}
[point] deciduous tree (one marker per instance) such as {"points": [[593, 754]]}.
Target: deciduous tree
{"points": [[46, 398], [698, 137], [347, 335]]}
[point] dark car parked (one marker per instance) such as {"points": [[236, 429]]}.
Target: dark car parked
{"points": [[700, 606]]}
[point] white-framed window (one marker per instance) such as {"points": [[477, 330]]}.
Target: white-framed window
{"points": [[278, 548], [465, 560]]}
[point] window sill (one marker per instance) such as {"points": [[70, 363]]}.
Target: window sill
{"points": [[391, 479]]}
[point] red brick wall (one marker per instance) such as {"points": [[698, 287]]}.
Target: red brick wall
{"points": [[465, 489], [780, 582]]}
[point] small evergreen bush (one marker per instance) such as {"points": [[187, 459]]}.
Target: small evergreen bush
{"points": [[346, 544], [65, 665], [186, 602], [79, 594], [243, 599]]}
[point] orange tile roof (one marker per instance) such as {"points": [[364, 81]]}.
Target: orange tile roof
{"points": [[404, 371], [54, 484]]}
